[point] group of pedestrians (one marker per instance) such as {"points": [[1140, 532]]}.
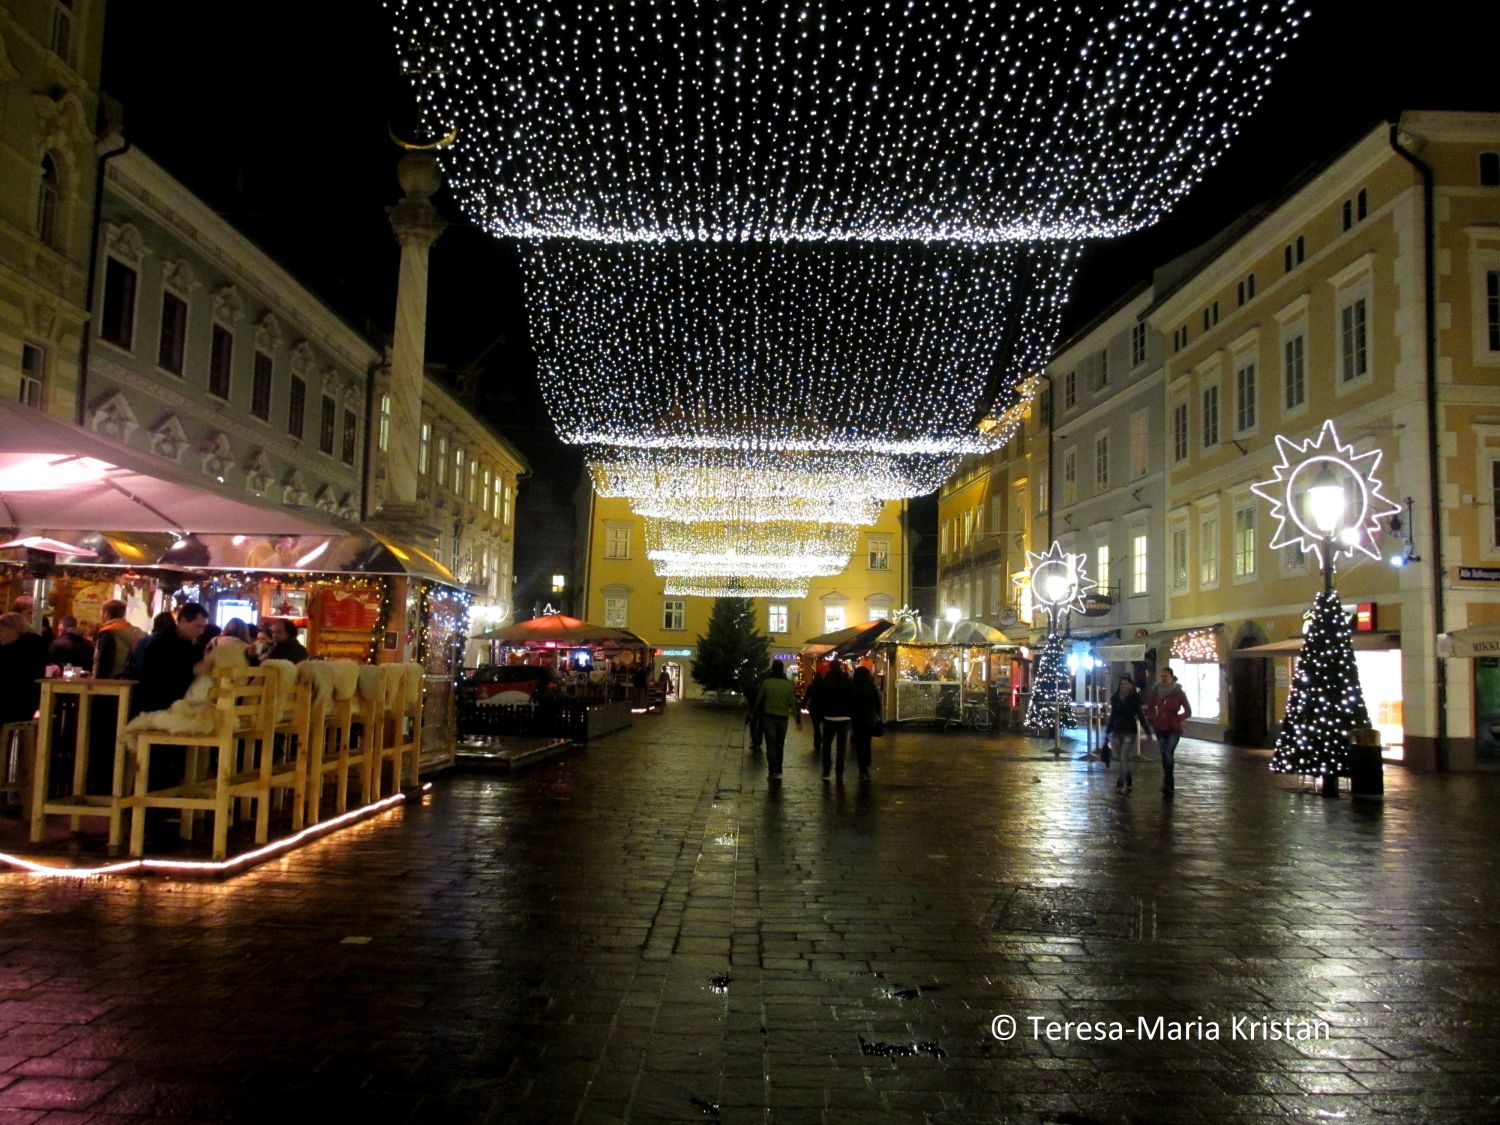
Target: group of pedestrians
{"points": [[844, 709], [1160, 712]]}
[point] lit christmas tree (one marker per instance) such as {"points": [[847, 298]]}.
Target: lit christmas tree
{"points": [[1325, 702], [1051, 693]]}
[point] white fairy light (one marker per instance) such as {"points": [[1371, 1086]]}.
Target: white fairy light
{"points": [[794, 549], [938, 120], [735, 586], [1328, 527]]}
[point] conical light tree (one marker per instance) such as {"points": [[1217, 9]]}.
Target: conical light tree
{"points": [[1058, 583], [1325, 703], [1051, 705]]}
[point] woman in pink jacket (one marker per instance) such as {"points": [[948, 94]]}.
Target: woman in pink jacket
{"points": [[1167, 710]]}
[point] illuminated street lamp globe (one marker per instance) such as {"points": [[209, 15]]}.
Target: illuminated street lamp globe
{"points": [[1057, 579]]}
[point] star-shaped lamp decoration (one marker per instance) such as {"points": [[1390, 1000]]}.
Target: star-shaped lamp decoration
{"points": [[1057, 579], [1325, 498]]}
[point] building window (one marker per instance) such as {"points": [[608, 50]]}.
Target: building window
{"points": [[442, 461], [1361, 205], [117, 319], [1179, 560], [833, 618], [220, 362], [171, 346], [486, 491], [1138, 564], [1244, 542], [424, 448], [1348, 213], [260, 387], [383, 434], [1043, 499], [1101, 565], [296, 407], [497, 499], [1294, 370], [61, 38], [674, 615], [1292, 558], [1354, 359], [1101, 462], [473, 479], [326, 424], [1208, 552], [1102, 369], [1200, 683], [49, 194], [1210, 416], [351, 431], [880, 554], [458, 473], [1070, 476], [1244, 398], [1139, 440], [1138, 344], [508, 503], [1492, 307], [616, 612], [1294, 253], [617, 542], [776, 618], [1489, 169], [1070, 390], [1210, 316], [1180, 432], [33, 375], [1044, 407]]}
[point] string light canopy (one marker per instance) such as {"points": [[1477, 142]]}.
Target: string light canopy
{"points": [[735, 586], [673, 120], [891, 350], [767, 509], [1325, 498], [795, 549]]}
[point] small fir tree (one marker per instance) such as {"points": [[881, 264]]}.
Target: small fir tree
{"points": [[1051, 693], [1325, 702], [732, 656]]}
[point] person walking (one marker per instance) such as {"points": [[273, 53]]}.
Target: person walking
{"points": [[864, 717], [1127, 716], [1167, 711], [838, 710], [775, 702], [756, 714], [813, 699]]}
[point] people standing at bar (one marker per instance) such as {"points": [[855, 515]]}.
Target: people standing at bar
{"points": [[114, 642], [1167, 711], [284, 642], [838, 709], [864, 717], [23, 661], [170, 660], [70, 646], [776, 702]]}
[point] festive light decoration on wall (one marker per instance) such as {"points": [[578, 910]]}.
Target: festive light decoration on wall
{"points": [[1201, 646], [735, 586], [1325, 703], [1323, 479], [872, 350], [675, 120], [1058, 581]]}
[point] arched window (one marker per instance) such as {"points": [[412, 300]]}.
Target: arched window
{"points": [[47, 201]]}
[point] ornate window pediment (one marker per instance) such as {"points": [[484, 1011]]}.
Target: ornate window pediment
{"points": [[258, 473], [63, 122], [218, 454], [267, 332], [346, 508], [294, 488], [325, 501], [112, 416], [179, 276], [229, 306], [168, 438], [302, 359], [350, 395], [124, 241]]}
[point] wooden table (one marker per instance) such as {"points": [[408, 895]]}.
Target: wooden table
{"points": [[79, 802]]}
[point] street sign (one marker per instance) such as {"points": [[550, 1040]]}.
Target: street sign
{"points": [[1479, 573], [1096, 605]]}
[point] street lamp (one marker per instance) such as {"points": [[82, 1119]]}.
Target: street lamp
{"points": [[1058, 585], [1326, 501]]}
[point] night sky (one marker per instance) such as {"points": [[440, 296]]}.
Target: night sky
{"points": [[278, 114]]}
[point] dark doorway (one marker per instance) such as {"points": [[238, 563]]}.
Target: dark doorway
{"points": [[1247, 698]]}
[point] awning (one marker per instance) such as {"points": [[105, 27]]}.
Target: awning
{"points": [[556, 630], [1363, 642], [63, 478], [963, 633], [866, 632], [1477, 640], [1131, 651]]}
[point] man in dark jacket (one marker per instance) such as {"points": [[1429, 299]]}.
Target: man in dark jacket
{"points": [[285, 645], [170, 660], [23, 661], [70, 646], [837, 698]]}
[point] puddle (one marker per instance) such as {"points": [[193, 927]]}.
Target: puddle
{"points": [[901, 1050], [720, 983], [709, 1110]]}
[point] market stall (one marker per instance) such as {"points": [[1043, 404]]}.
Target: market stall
{"points": [[957, 672]]}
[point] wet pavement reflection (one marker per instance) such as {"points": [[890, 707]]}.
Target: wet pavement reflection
{"points": [[651, 931]]}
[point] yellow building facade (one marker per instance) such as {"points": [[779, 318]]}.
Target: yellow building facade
{"points": [[49, 102], [1320, 309], [621, 588]]}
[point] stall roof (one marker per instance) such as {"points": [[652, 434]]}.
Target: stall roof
{"points": [[1134, 650], [917, 632], [65, 478], [1292, 646], [864, 634], [1477, 640], [558, 630]]}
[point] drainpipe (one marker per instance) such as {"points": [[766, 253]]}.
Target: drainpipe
{"points": [[80, 408], [1434, 468]]}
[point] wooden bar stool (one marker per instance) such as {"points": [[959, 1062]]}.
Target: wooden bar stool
{"points": [[79, 803]]}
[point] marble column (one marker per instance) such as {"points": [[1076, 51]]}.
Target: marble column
{"points": [[417, 225]]}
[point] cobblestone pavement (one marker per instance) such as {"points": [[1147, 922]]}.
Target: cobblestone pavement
{"points": [[646, 932]]}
